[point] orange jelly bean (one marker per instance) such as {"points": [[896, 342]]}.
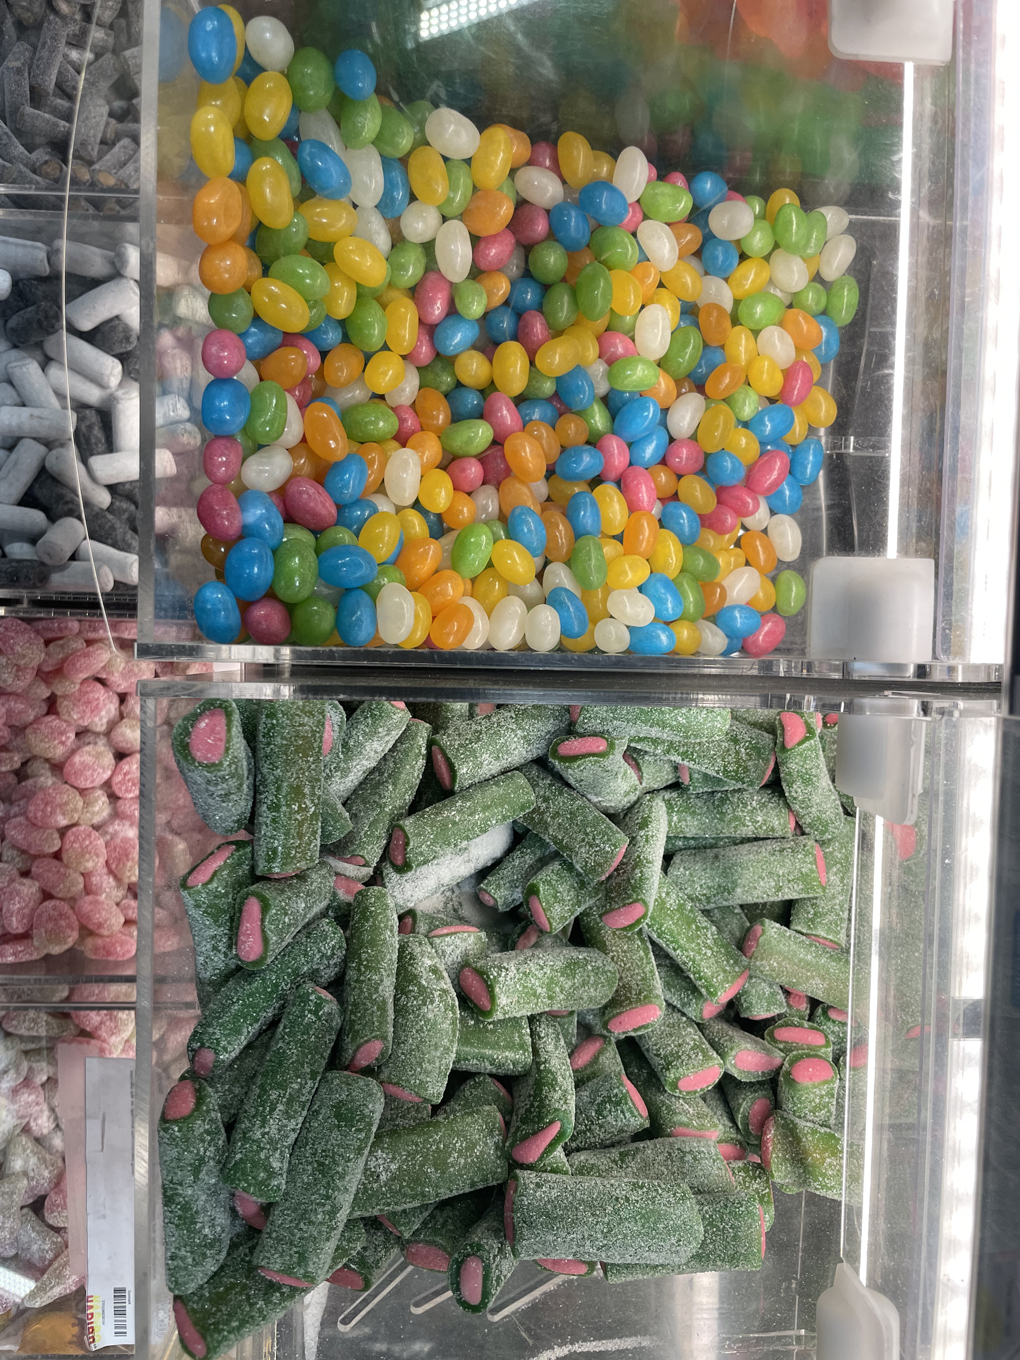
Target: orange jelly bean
{"points": [[546, 436], [559, 536], [525, 456], [497, 288], [286, 366], [724, 380], [343, 365], [714, 323], [214, 550], [428, 448], [460, 512], [687, 236], [640, 534], [451, 626], [664, 393], [802, 329], [571, 430], [432, 409], [324, 432], [217, 210], [515, 491], [307, 463], [715, 596], [758, 550], [442, 589], [648, 279], [665, 479], [487, 211], [224, 268], [376, 460], [576, 261], [419, 559]]}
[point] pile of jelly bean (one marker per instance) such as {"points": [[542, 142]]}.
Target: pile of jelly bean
{"points": [[465, 390]]}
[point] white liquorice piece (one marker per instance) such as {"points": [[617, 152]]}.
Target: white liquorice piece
{"points": [[124, 566], [106, 370], [77, 258], [78, 576], [36, 422], [61, 464], [58, 543], [111, 299], [20, 470]]}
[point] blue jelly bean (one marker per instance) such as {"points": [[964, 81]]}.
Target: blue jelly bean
{"points": [[455, 334], [291, 128], [686, 319], [771, 422], [738, 620], [327, 334], [711, 357], [616, 400], [248, 569], [700, 220], [569, 225], [636, 418], [579, 463], [333, 405], [347, 565], [345, 480], [502, 323], [247, 71], [724, 469], [323, 169], [537, 409], [829, 347], [720, 257], [465, 404], [786, 499], [226, 406], [575, 389], [733, 645], [572, 613], [260, 518], [212, 45], [650, 448], [435, 522], [354, 72], [356, 515], [653, 639], [707, 189], [603, 201], [388, 561], [681, 520], [355, 617], [260, 339], [584, 514], [806, 461], [396, 188], [527, 529], [776, 446], [216, 612], [526, 295], [664, 596], [242, 160]]}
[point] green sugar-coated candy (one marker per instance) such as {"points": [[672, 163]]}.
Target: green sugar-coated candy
{"points": [[586, 837], [557, 894], [369, 980], [482, 1263], [440, 1158], [805, 780], [566, 1023], [503, 887], [826, 916], [757, 871], [216, 765], [770, 911], [232, 1304], [543, 1113], [441, 716], [671, 1114], [698, 781], [269, 912], [752, 1178], [802, 1156], [401, 1114], [593, 1056], [210, 889], [751, 1104], [248, 712], [742, 756], [696, 1162], [434, 1241], [791, 1036], [731, 1142], [488, 746], [333, 731], [352, 1241], [383, 796], [446, 827], [596, 768], [679, 990], [648, 726], [404, 1222], [602, 1219], [760, 1000], [807, 1088], [743, 1055], [833, 1023], [653, 772], [500, 1046], [334, 821], [757, 814], [197, 1217], [475, 1093], [799, 964], [457, 944], [278, 1101], [730, 922], [300, 1238], [425, 1025], [637, 1003], [250, 1002], [674, 844], [408, 888], [288, 785], [608, 1110], [679, 1054], [528, 981], [632, 887], [711, 962], [361, 1268], [230, 1082], [369, 734], [734, 1233]]}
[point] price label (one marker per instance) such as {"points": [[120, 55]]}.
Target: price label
{"points": [[109, 1193]]}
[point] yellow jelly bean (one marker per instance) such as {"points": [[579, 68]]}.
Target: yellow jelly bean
{"points": [[626, 293], [241, 128], [688, 638], [776, 201], [490, 164], [819, 408], [612, 548], [361, 260], [667, 555], [380, 535], [709, 540], [401, 325], [596, 327], [561, 491], [267, 105], [798, 431], [412, 524], [489, 588], [596, 602], [513, 561], [730, 538], [383, 372], [212, 142], [436, 491], [510, 368], [811, 359], [558, 356], [587, 345], [390, 294], [696, 492], [342, 295], [627, 572], [715, 427], [812, 266], [671, 303], [472, 369], [765, 376], [585, 643], [422, 622], [426, 171], [683, 281], [328, 218], [269, 191], [225, 96], [613, 508], [765, 596], [743, 444], [750, 276], [740, 347], [279, 304], [575, 157]]}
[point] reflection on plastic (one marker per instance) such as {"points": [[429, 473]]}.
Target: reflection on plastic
{"points": [[854, 1323]]}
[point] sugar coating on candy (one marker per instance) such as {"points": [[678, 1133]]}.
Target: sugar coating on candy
{"points": [[89, 767], [208, 739]]}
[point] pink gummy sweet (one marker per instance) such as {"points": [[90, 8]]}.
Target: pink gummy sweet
{"points": [[126, 736], [697, 1081], [504, 417], [635, 216], [638, 489], [16, 710], [615, 457], [50, 737], [55, 1207], [407, 423], [122, 857], [20, 643], [92, 706], [34, 840], [124, 781], [55, 628], [101, 883], [95, 807], [89, 661], [58, 805], [433, 297], [13, 678], [810, 1071], [127, 810], [636, 1018], [493, 252], [18, 903], [83, 849], [57, 879], [55, 926], [472, 1277], [89, 767], [250, 944], [99, 915], [423, 351], [19, 949], [118, 946], [128, 907]]}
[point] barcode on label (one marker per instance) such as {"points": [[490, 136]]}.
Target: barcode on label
{"points": [[120, 1326]]}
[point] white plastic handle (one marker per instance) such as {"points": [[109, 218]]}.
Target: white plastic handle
{"points": [[855, 1323], [892, 30]]}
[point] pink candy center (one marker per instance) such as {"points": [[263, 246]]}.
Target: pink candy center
{"points": [[250, 1210], [508, 1212], [180, 1102], [836, 1014], [697, 1081], [768, 1129], [562, 1267], [820, 861], [621, 917], [799, 1034], [398, 847], [208, 739], [749, 1060], [537, 914], [426, 1256], [527, 938], [442, 768], [472, 1278], [585, 1051], [636, 1097], [347, 1279], [733, 989], [793, 729], [620, 855], [285, 1279], [327, 737], [203, 1061], [751, 941], [530, 1149], [187, 1331], [249, 931], [365, 1055], [732, 1152], [681, 1132], [454, 930], [204, 871], [472, 984], [399, 1093], [758, 1113], [582, 746], [635, 1018], [810, 1071]]}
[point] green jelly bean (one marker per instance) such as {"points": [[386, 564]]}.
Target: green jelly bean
{"points": [[791, 592], [372, 291], [276, 150], [385, 576], [757, 205], [626, 325], [509, 188], [844, 296], [665, 202], [407, 264], [472, 549], [588, 562], [310, 77], [743, 402], [614, 247], [268, 415], [559, 306], [759, 241], [360, 121], [396, 135], [498, 530], [321, 250], [231, 311], [305, 276], [366, 325], [248, 445], [438, 374], [466, 438], [539, 386], [312, 622], [791, 228], [633, 374], [690, 593], [272, 244], [300, 532], [469, 299], [594, 289], [811, 299], [461, 188], [334, 537], [548, 261], [817, 230], [295, 571], [370, 421], [417, 114], [700, 563], [759, 310], [598, 420], [316, 314], [685, 346]]}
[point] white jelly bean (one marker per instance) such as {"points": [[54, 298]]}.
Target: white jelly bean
{"points": [[695, 262], [761, 518], [789, 272], [658, 243], [630, 607], [652, 331], [714, 289], [367, 182], [507, 623], [838, 220], [372, 227], [394, 612], [713, 640], [775, 342], [742, 585], [539, 562], [294, 430], [320, 126], [382, 502], [402, 476], [352, 395], [451, 134], [542, 630], [420, 222], [269, 42], [837, 257], [479, 629], [538, 186], [249, 375], [612, 636], [325, 592], [773, 288], [784, 535], [453, 251], [446, 544], [684, 416], [268, 469], [486, 499], [631, 174], [514, 267], [599, 374], [405, 392], [540, 489], [559, 574], [730, 220], [531, 594]]}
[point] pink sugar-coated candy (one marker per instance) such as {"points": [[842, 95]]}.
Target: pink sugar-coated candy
{"points": [[721, 520], [98, 914], [635, 216], [127, 810], [529, 224], [57, 806], [19, 950], [89, 767], [309, 504], [59, 683], [133, 671], [312, 356], [37, 691], [493, 252], [14, 678], [495, 468], [222, 458], [504, 417], [48, 629], [638, 489], [268, 622], [223, 354], [57, 879], [58, 651], [93, 629], [738, 498], [407, 423], [20, 643], [124, 781], [797, 383], [55, 1206], [301, 392], [613, 346], [767, 637], [101, 883], [615, 455], [17, 710], [83, 849], [93, 706], [118, 946], [424, 351], [466, 474], [122, 857], [34, 840], [128, 907], [126, 736], [55, 926], [684, 456], [131, 706], [95, 807], [675, 177], [26, 1098], [89, 661], [219, 513], [768, 473], [112, 1026], [546, 157], [533, 332], [19, 901], [433, 296], [50, 737]]}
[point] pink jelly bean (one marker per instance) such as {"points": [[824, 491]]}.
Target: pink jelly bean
{"points": [[529, 224], [83, 849], [466, 474], [55, 926], [50, 737], [638, 489], [767, 637], [88, 662], [20, 643], [738, 498], [18, 902], [302, 342], [302, 392], [89, 767], [721, 520], [277, 500], [615, 456], [221, 459], [424, 350], [613, 345], [407, 423], [675, 177], [56, 879], [733, 197], [122, 858], [532, 332], [126, 736], [98, 914], [546, 157], [101, 883], [125, 778], [121, 945], [495, 468], [635, 216], [219, 513], [561, 406], [684, 456], [504, 417], [223, 354], [433, 296], [58, 651], [34, 840], [268, 622], [768, 473], [56, 806], [493, 252], [309, 503], [797, 383]]}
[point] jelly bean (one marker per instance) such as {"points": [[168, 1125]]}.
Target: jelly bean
{"points": [[212, 141], [260, 518], [355, 618], [347, 566], [738, 620], [588, 562], [360, 121], [791, 593], [248, 570], [633, 374], [219, 513], [216, 613], [221, 459], [226, 406], [664, 597], [295, 572], [309, 504], [572, 615], [806, 461], [787, 498], [268, 469]]}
